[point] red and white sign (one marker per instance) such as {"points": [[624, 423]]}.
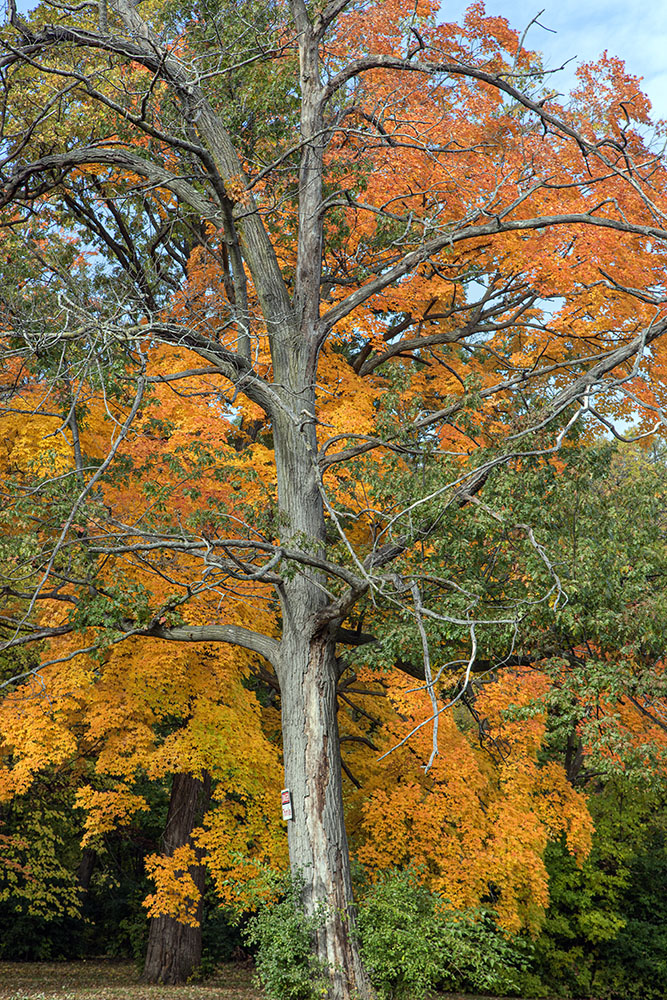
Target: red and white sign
{"points": [[286, 799]]}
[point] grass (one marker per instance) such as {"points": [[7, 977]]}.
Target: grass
{"points": [[109, 980], [102, 979]]}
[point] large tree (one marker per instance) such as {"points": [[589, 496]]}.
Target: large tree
{"points": [[383, 257]]}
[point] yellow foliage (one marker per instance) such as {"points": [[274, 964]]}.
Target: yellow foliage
{"points": [[105, 810], [35, 444], [176, 894]]}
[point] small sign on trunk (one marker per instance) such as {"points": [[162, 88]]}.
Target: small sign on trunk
{"points": [[286, 799]]}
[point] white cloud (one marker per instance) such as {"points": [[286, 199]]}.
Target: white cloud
{"points": [[584, 29]]}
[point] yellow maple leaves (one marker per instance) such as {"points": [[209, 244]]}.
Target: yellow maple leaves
{"points": [[106, 810], [176, 894], [33, 444]]}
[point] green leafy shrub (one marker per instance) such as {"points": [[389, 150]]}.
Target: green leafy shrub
{"points": [[283, 935], [480, 955], [400, 937], [412, 944], [637, 958]]}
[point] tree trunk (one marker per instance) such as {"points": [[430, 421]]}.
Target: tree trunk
{"points": [[174, 948], [308, 673], [84, 871], [317, 839]]}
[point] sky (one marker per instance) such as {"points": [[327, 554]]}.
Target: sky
{"points": [[582, 29]]}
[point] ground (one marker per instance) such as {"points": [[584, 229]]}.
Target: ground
{"points": [[107, 980], [110, 980]]}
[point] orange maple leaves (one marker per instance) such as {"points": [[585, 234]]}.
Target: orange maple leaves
{"points": [[476, 826]]}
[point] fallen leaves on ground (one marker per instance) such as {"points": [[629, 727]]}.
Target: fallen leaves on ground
{"points": [[109, 980]]}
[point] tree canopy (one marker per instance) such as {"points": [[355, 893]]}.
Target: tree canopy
{"points": [[287, 291]]}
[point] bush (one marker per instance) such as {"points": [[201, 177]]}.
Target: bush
{"points": [[606, 927], [411, 944], [400, 937], [284, 937]]}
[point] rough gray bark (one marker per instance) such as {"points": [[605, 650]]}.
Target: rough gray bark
{"points": [[317, 837], [308, 673], [174, 949]]}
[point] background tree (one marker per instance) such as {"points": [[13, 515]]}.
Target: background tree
{"points": [[175, 945]]}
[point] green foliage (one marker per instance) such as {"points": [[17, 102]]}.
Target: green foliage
{"points": [[49, 910], [40, 900], [222, 932], [111, 609], [637, 959], [400, 937], [284, 936], [24, 938], [412, 944], [605, 931], [36, 851]]}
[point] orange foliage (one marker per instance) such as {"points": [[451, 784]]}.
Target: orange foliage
{"points": [[476, 826]]}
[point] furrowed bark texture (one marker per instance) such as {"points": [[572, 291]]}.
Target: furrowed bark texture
{"points": [[308, 672], [317, 838], [174, 948]]}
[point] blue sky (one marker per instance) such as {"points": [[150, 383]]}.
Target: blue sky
{"points": [[583, 30]]}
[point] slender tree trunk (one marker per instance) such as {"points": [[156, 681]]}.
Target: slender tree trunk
{"points": [[84, 871], [174, 949]]}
